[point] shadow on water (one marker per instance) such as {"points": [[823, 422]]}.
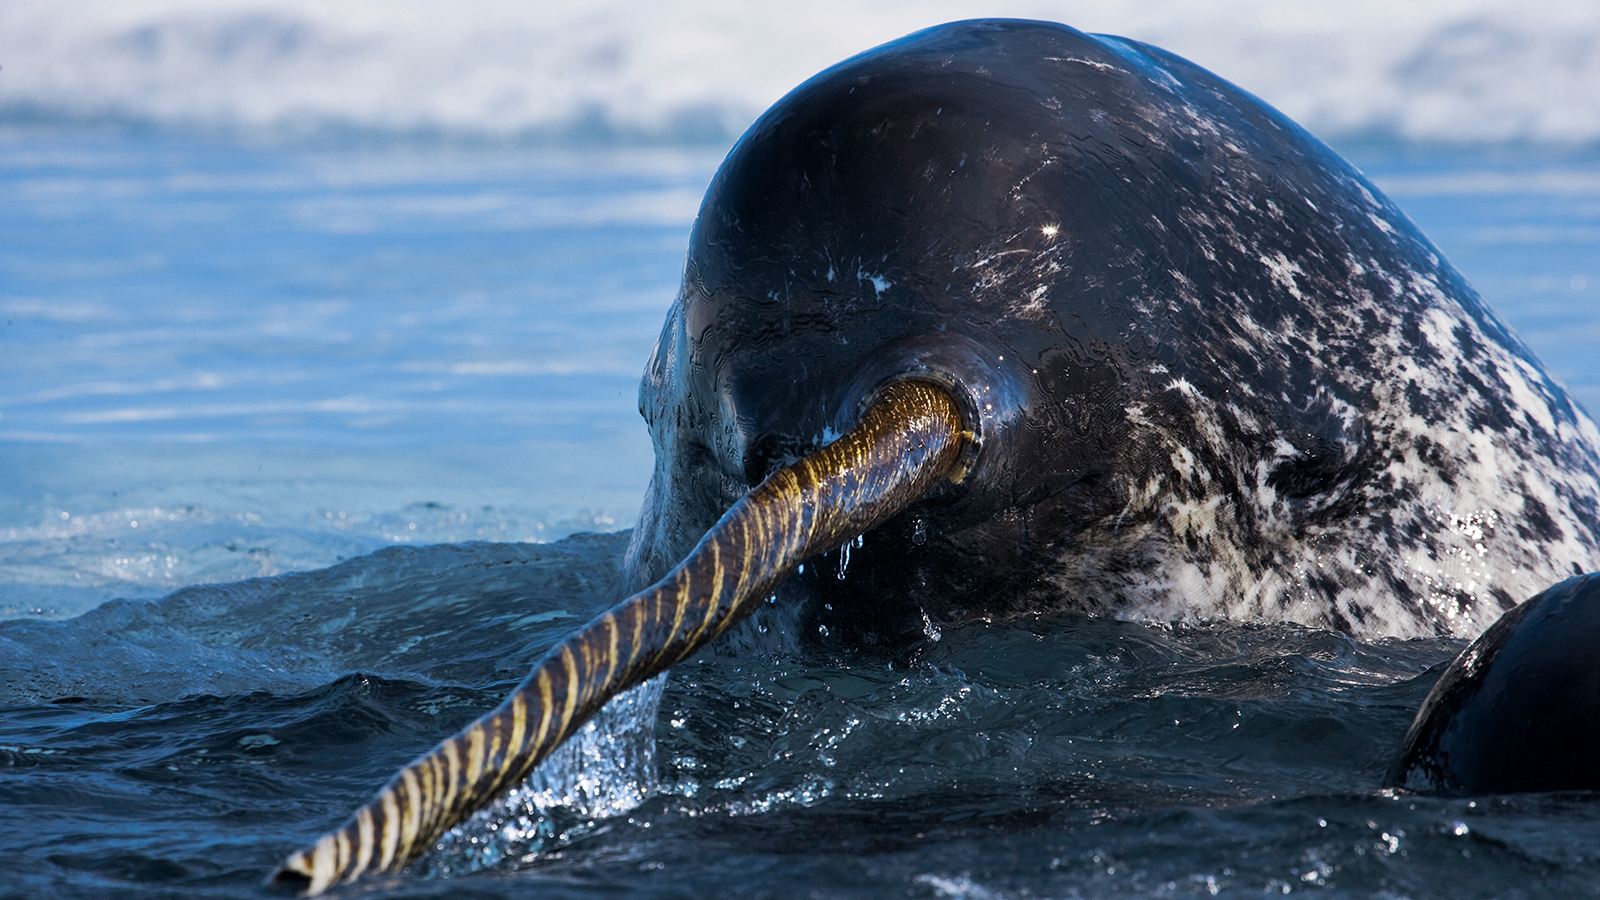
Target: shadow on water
{"points": [[180, 747]]}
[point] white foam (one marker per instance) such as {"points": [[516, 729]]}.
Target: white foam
{"points": [[1445, 70]]}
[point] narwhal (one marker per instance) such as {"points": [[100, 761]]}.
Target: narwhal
{"points": [[1022, 318]]}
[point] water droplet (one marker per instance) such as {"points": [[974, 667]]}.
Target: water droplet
{"points": [[930, 629], [919, 532], [844, 559]]}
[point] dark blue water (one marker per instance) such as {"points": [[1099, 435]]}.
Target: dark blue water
{"points": [[377, 376]]}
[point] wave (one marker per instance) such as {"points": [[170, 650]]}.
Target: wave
{"points": [[1454, 71], [473, 613]]}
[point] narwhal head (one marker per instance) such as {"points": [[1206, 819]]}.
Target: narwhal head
{"points": [[1179, 327], [878, 223]]}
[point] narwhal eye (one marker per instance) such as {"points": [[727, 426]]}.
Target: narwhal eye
{"points": [[1317, 466], [1323, 464], [763, 456], [767, 453], [1327, 447]]}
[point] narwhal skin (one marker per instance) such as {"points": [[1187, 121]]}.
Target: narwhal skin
{"points": [[1103, 333], [1519, 709]]}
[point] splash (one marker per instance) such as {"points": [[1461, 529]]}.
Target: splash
{"points": [[605, 770]]}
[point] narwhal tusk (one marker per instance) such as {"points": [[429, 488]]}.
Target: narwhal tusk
{"points": [[909, 439]]}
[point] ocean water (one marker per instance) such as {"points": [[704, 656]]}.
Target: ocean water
{"points": [[318, 426], [223, 361]]}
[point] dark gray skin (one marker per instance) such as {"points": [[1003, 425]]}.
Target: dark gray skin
{"points": [[1214, 373], [1519, 710]]}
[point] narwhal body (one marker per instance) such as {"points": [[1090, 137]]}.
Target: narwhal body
{"points": [[1100, 332]]}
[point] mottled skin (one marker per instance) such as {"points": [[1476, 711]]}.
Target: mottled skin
{"points": [[1228, 378]]}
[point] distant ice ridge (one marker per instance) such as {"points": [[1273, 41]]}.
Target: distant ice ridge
{"points": [[670, 70]]}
